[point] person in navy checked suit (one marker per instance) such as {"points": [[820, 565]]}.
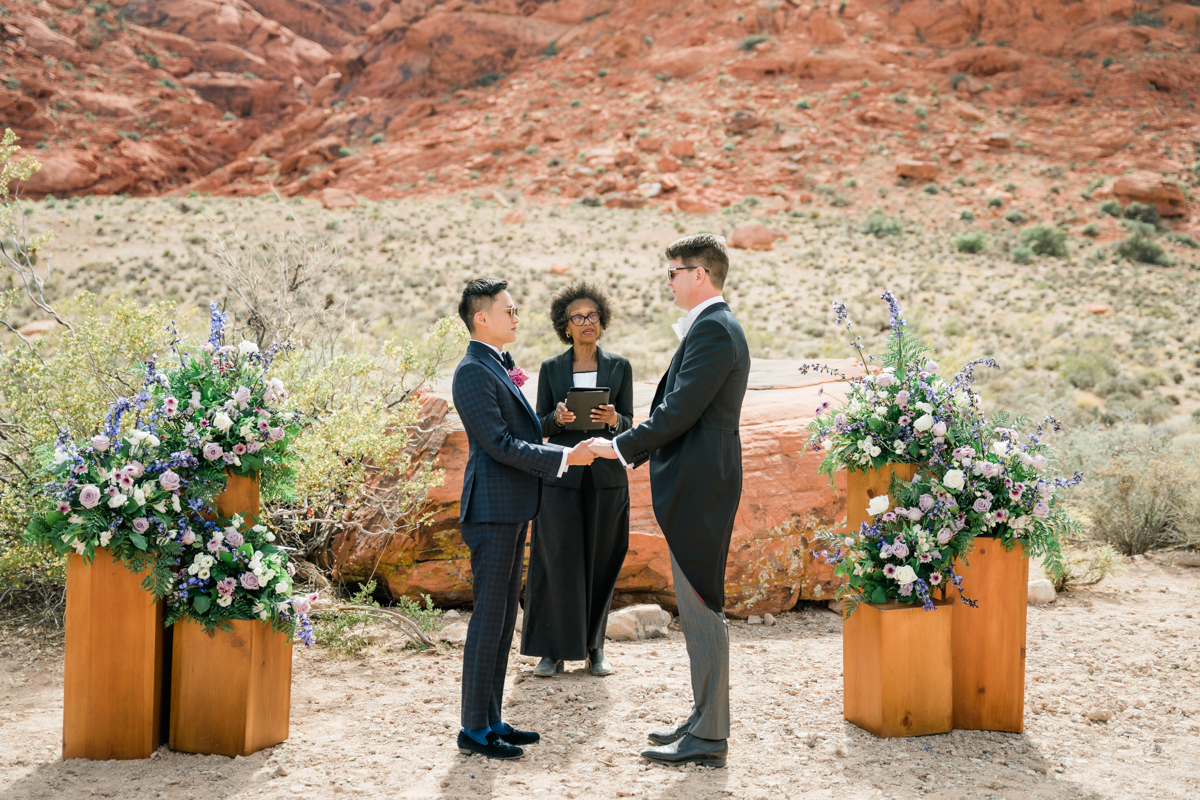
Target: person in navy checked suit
{"points": [[502, 490]]}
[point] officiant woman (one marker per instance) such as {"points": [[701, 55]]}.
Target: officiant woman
{"points": [[582, 532]]}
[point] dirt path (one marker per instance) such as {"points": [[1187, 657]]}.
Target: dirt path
{"points": [[384, 726]]}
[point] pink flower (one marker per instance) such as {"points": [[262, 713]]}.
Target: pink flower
{"points": [[935, 579], [518, 376], [254, 447], [125, 481], [213, 451], [303, 604], [226, 586], [134, 469], [889, 570], [235, 538], [188, 537], [100, 443], [276, 434], [291, 569], [239, 449], [1041, 510], [249, 581], [64, 507], [170, 406], [241, 396], [944, 536], [939, 429]]}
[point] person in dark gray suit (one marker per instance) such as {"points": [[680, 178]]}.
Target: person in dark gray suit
{"points": [[582, 533], [692, 443], [502, 488]]}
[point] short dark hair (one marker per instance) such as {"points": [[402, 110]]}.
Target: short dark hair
{"points": [[475, 299], [705, 250], [580, 290]]}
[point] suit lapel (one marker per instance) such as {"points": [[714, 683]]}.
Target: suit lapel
{"points": [[484, 354], [603, 370]]}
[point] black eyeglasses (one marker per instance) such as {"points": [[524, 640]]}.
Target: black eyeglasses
{"points": [[579, 319], [672, 270]]}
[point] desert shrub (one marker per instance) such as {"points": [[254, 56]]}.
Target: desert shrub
{"points": [[995, 202], [840, 200], [1016, 217], [749, 42], [967, 215], [1112, 208], [1089, 567], [1046, 240], [1089, 363], [930, 188], [879, 225], [1147, 19], [1182, 239], [1143, 250], [974, 242], [344, 632], [1142, 485], [1090, 230], [1143, 212], [1021, 255], [427, 616]]}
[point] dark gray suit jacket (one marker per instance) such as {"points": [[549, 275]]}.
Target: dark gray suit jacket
{"points": [[507, 461], [554, 381], [691, 441]]}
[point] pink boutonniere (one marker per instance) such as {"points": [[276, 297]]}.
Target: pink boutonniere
{"points": [[519, 376]]}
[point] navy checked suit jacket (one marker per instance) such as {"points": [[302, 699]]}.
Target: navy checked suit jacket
{"points": [[507, 460]]}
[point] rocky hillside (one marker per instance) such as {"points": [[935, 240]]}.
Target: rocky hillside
{"points": [[983, 106]]}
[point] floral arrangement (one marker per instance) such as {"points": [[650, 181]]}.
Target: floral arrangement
{"points": [[125, 491], [906, 552], [226, 409], [231, 570], [901, 411]]}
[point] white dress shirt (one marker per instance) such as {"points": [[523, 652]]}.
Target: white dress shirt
{"points": [[584, 380], [681, 329], [562, 468]]}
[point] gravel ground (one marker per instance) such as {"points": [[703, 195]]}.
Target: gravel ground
{"points": [[384, 724]]}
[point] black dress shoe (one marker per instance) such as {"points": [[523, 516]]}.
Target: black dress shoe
{"points": [[495, 748], [517, 737], [669, 735], [690, 750]]}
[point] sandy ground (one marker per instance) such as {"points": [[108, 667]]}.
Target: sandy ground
{"points": [[384, 725]]}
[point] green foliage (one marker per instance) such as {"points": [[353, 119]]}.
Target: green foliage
{"points": [[974, 242], [879, 225], [803, 103], [930, 188], [1021, 254], [490, 77], [1111, 207], [967, 215], [1089, 567], [426, 616], [344, 152], [377, 138], [995, 202], [1143, 250], [1046, 240], [1090, 362], [1016, 217], [1143, 212], [531, 150], [747, 44], [1147, 19], [1090, 230], [1182, 239], [344, 632]]}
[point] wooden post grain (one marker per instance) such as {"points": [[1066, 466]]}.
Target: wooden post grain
{"points": [[862, 487], [896, 669], [112, 690], [989, 641], [240, 496], [230, 692]]}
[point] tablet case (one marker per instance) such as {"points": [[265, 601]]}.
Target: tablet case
{"points": [[581, 402]]}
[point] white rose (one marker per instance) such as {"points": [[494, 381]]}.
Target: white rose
{"points": [[878, 505], [60, 457], [117, 500], [905, 575], [222, 422], [105, 538], [247, 347], [203, 574], [954, 479], [923, 407], [1000, 448], [875, 451], [923, 423], [826, 444], [224, 600]]}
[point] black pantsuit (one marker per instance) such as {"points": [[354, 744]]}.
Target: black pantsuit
{"points": [[579, 543], [581, 535]]}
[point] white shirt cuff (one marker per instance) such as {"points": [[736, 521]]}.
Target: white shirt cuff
{"points": [[562, 468], [620, 457]]}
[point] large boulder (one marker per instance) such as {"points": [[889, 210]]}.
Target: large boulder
{"points": [[62, 172], [771, 565], [1144, 186]]}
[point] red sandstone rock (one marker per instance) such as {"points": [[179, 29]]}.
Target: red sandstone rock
{"points": [[685, 62], [63, 172], [683, 149], [514, 217], [1149, 187], [1097, 308], [918, 170], [692, 204], [770, 567], [753, 236], [337, 198]]}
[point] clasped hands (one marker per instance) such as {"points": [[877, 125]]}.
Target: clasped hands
{"points": [[589, 450]]}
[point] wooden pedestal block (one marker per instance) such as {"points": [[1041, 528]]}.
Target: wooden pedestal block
{"points": [[896, 669], [240, 496], [231, 693], [112, 690], [989, 641], [862, 487]]}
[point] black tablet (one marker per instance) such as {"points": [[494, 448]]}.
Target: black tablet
{"points": [[581, 402]]}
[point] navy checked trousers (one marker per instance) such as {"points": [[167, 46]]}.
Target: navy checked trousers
{"points": [[497, 561]]}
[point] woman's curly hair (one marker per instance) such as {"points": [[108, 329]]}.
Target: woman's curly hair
{"points": [[580, 290]]}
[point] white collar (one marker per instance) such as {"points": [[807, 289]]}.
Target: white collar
{"points": [[495, 349], [684, 324]]}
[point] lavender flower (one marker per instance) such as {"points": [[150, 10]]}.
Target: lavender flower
{"points": [[89, 496], [249, 581], [140, 524], [212, 451], [981, 506]]}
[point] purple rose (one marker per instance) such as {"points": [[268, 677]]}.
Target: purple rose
{"points": [[253, 447], [229, 458], [89, 496], [914, 514], [902, 398], [249, 581], [981, 506], [926, 502], [141, 524], [134, 469], [906, 589], [188, 537], [988, 469], [169, 481], [100, 443], [276, 434], [213, 451], [938, 429], [885, 551], [235, 538], [899, 549], [1041, 510], [944, 536], [839, 420]]}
